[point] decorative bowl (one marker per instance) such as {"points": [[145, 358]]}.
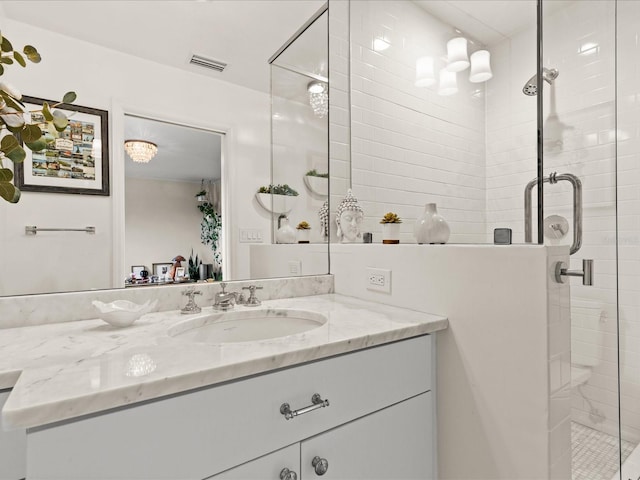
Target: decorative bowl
{"points": [[122, 313]]}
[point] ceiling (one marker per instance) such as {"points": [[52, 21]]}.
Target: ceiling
{"points": [[489, 21], [242, 33], [184, 153]]}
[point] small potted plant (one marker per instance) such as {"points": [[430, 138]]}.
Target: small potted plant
{"points": [[317, 182], [391, 228], [304, 232], [201, 196], [277, 198]]}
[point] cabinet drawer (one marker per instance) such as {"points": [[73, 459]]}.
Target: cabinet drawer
{"points": [[213, 429]]}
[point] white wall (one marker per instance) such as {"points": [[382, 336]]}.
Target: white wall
{"points": [[162, 221], [122, 83], [411, 146], [503, 364]]}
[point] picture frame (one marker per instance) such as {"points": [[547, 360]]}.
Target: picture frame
{"points": [[136, 269], [180, 272], [161, 269], [76, 161]]}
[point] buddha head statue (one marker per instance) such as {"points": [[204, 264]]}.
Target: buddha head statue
{"points": [[349, 216]]}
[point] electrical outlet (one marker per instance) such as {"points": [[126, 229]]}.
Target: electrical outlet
{"points": [[295, 267], [378, 279]]}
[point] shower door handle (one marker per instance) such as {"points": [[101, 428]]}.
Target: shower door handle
{"points": [[586, 273], [554, 178]]}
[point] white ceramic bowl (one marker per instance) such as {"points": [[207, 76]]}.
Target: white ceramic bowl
{"points": [[122, 313]]}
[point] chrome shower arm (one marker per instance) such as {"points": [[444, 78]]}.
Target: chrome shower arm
{"points": [[577, 206]]}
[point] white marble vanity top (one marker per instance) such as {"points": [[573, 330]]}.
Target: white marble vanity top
{"points": [[65, 370]]}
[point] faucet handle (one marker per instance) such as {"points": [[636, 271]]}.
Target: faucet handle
{"points": [[252, 301], [223, 285], [190, 292]]}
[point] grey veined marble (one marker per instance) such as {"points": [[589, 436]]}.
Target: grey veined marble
{"points": [[64, 307], [61, 371]]}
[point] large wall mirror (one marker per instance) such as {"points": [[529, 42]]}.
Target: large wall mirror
{"points": [[213, 130]]}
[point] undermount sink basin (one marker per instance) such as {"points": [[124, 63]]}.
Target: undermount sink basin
{"points": [[246, 325]]}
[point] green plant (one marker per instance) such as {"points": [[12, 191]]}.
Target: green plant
{"points": [[210, 229], [391, 218], [303, 226], [201, 193], [12, 118], [279, 190], [314, 173], [194, 272]]}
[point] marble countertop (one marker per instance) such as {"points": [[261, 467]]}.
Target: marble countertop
{"points": [[66, 370]]}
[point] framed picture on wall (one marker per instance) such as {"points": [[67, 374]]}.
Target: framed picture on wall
{"points": [[136, 270], [161, 269], [75, 160]]}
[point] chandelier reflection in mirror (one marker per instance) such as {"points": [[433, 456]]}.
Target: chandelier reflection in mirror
{"points": [[318, 98], [140, 151]]}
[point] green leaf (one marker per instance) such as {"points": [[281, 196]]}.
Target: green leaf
{"points": [[12, 102], [69, 97], [20, 59], [31, 133], [7, 60], [46, 112], [9, 192], [13, 119], [10, 146], [6, 175], [60, 120], [1, 69], [31, 53], [38, 145], [6, 46]]}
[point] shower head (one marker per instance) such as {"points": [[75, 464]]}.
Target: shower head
{"points": [[531, 87]]}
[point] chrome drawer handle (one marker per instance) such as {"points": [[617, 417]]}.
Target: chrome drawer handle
{"points": [[286, 474], [320, 465], [316, 403]]}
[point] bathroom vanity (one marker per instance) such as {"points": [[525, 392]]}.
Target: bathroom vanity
{"points": [[353, 398]]}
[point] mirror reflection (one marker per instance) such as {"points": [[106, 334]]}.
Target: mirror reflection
{"points": [[173, 221], [211, 74]]}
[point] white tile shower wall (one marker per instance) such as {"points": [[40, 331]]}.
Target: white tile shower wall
{"points": [[579, 138], [339, 106], [503, 364], [628, 130], [411, 146]]}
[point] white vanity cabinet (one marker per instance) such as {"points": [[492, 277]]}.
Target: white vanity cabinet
{"points": [[378, 424], [392, 444], [13, 449]]}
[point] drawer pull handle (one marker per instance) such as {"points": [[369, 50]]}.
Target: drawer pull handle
{"points": [[286, 474], [320, 465], [316, 403]]}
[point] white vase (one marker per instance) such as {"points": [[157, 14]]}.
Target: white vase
{"points": [[431, 227], [390, 233], [286, 233]]}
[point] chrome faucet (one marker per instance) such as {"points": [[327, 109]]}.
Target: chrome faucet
{"points": [[224, 300]]}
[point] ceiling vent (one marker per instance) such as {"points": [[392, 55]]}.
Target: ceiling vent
{"points": [[207, 63]]}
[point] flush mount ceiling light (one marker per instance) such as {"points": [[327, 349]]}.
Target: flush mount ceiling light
{"points": [[425, 76], [140, 151], [318, 98], [480, 66], [457, 58]]}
